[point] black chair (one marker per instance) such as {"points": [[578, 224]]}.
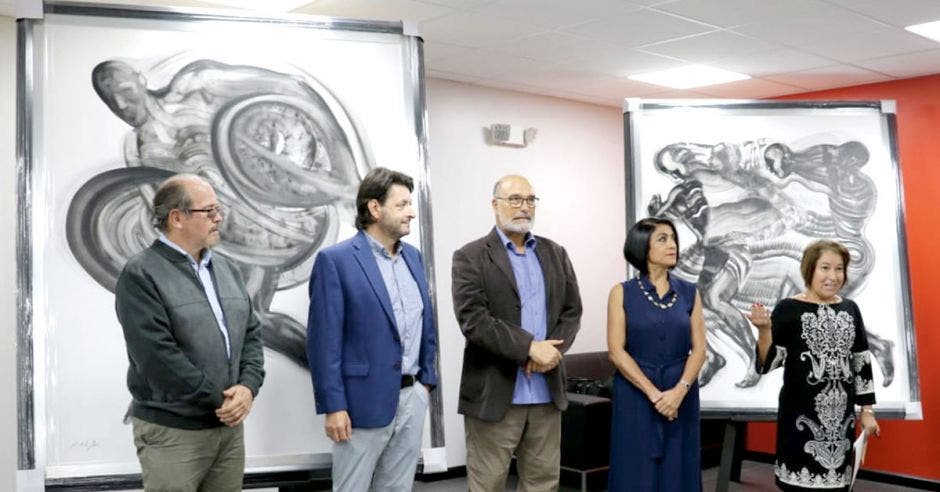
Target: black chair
{"points": [[585, 425]]}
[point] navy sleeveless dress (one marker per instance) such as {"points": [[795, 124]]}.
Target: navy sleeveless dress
{"points": [[647, 451]]}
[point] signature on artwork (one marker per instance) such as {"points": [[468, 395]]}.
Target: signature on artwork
{"points": [[87, 444]]}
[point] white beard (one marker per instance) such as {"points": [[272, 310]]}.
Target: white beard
{"points": [[519, 227]]}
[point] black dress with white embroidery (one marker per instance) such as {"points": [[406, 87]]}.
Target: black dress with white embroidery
{"points": [[826, 372]]}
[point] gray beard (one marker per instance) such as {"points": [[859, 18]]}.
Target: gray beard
{"points": [[519, 227]]}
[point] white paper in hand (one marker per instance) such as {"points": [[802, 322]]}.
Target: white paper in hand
{"points": [[860, 445]]}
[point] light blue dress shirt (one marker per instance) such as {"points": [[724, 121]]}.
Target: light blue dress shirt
{"points": [[406, 302], [205, 277], [533, 389]]}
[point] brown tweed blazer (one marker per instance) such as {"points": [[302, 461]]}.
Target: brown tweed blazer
{"points": [[486, 302]]}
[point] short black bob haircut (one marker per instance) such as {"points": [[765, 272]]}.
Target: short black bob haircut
{"points": [[637, 246], [375, 186]]}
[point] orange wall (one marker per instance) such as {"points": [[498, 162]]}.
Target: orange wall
{"points": [[907, 447]]}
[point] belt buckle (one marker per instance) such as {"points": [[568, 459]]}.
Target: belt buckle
{"points": [[408, 380]]}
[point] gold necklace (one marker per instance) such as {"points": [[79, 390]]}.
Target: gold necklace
{"points": [[649, 297]]}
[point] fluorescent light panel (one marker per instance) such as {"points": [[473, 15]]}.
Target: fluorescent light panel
{"points": [[927, 29], [689, 76]]}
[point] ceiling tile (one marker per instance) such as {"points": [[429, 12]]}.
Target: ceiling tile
{"points": [[434, 51], [556, 13], [476, 30], [555, 46], [828, 77], [559, 79], [513, 86], [639, 28], [619, 62], [584, 49], [828, 23], [897, 13], [615, 87], [705, 48], [386, 10], [458, 4], [728, 13], [651, 3], [550, 92], [875, 44], [773, 61], [907, 65], [482, 63], [750, 89]]}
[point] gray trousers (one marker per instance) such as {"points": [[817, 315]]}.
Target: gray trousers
{"points": [[386, 457], [180, 460], [532, 433]]}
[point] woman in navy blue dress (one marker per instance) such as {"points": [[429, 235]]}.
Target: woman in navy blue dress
{"points": [[656, 339]]}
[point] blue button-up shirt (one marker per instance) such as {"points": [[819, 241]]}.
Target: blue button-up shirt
{"points": [[205, 277], [406, 302], [531, 284]]}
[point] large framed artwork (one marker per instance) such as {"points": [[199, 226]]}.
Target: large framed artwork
{"points": [[283, 115], [749, 184]]}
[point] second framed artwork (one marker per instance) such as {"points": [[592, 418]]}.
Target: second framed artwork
{"points": [[749, 184]]}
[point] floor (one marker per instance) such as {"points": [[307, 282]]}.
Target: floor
{"points": [[754, 477]]}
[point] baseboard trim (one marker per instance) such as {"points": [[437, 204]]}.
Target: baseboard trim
{"points": [[863, 474], [133, 481]]}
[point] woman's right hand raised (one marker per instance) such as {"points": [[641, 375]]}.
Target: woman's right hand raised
{"points": [[759, 316]]}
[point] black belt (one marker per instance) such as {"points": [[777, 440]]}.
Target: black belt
{"points": [[408, 380]]}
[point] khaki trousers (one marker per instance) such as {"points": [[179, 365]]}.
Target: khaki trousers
{"points": [[180, 460], [532, 432]]}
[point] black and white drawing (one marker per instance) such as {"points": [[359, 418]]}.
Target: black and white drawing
{"points": [[282, 115], [272, 145], [749, 184], [747, 205]]}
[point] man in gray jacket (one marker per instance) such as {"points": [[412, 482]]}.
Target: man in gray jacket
{"points": [[194, 346]]}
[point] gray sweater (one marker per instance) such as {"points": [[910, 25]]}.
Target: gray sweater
{"points": [[178, 362]]}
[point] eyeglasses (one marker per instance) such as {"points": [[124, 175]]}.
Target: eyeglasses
{"points": [[211, 212], [515, 201]]}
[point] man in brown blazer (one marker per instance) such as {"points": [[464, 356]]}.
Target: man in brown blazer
{"points": [[516, 299]]}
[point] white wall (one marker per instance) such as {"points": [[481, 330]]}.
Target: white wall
{"points": [[7, 254], [575, 166]]}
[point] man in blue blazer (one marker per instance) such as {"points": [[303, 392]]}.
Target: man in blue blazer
{"points": [[371, 341]]}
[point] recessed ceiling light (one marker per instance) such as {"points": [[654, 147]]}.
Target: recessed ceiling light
{"points": [[927, 29], [689, 76], [267, 6]]}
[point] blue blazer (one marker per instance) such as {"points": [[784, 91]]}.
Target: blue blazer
{"points": [[353, 347]]}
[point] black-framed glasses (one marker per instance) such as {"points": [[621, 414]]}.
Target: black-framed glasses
{"points": [[211, 212], [515, 201]]}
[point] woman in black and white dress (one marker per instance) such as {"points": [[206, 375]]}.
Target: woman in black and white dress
{"points": [[818, 337]]}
